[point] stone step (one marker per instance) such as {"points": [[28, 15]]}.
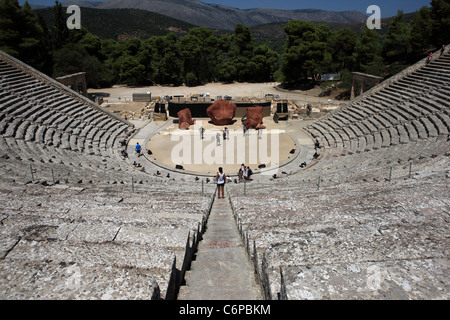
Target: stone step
{"points": [[221, 270]]}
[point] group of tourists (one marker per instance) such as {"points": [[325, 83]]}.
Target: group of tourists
{"points": [[244, 172], [225, 135], [246, 131]]}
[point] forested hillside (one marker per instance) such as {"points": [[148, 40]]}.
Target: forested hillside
{"points": [[120, 24], [196, 55]]}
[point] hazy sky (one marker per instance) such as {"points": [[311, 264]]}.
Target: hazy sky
{"points": [[388, 8]]}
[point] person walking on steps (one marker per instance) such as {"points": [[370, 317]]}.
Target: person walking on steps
{"points": [[221, 178], [138, 149]]}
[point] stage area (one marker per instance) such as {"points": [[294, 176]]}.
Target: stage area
{"points": [[172, 146]]}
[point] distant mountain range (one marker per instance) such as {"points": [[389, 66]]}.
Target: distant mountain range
{"points": [[109, 23], [222, 17]]}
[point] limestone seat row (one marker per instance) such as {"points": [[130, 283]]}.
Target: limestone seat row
{"points": [[97, 243], [323, 244]]}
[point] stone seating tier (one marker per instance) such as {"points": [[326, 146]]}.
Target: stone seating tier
{"points": [[139, 237], [291, 231]]}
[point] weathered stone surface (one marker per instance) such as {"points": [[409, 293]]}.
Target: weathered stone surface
{"points": [[154, 261], [396, 280], [328, 234], [254, 118], [7, 243], [93, 229], [221, 112], [184, 119], [103, 232], [48, 280], [149, 236]]}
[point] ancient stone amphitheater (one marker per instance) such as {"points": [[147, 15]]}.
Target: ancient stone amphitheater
{"points": [[366, 219]]}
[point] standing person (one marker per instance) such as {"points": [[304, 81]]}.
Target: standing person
{"points": [[202, 131], [249, 173], [245, 173], [218, 139], [224, 133], [228, 133], [244, 128], [138, 149], [241, 172], [221, 178], [442, 51]]}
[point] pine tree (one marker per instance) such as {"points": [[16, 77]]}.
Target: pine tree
{"points": [[397, 44], [305, 54], [367, 54], [22, 35], [421, 30], [341, 46], [59, 32], [440, 14], [32, 45], [10, 35]]}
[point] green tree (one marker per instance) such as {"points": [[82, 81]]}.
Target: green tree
{"points": [[73, 58], [226, 71], [111, 49], [265, 61], [167, 61], [92, 44], [32, 44], [129, 70], [244, 41], [145, 58], [346, 80], [199, 53], [242, 52], [397, 44], [10, 35], [440, 14], [132, 46], [59, 32], [341, 46], [22, 35], [367, 55], [305, 54], [421, 30], [376, 67], [131, 60]]}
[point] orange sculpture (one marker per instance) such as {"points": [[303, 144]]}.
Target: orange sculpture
{"points": [[221, 112], [254, 118], [184, 119]]}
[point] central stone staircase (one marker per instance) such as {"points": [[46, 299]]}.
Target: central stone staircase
{"points": [[221, 270]]}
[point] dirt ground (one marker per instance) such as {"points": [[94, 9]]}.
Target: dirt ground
{"points": [[173, 146], [120, 94]]}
